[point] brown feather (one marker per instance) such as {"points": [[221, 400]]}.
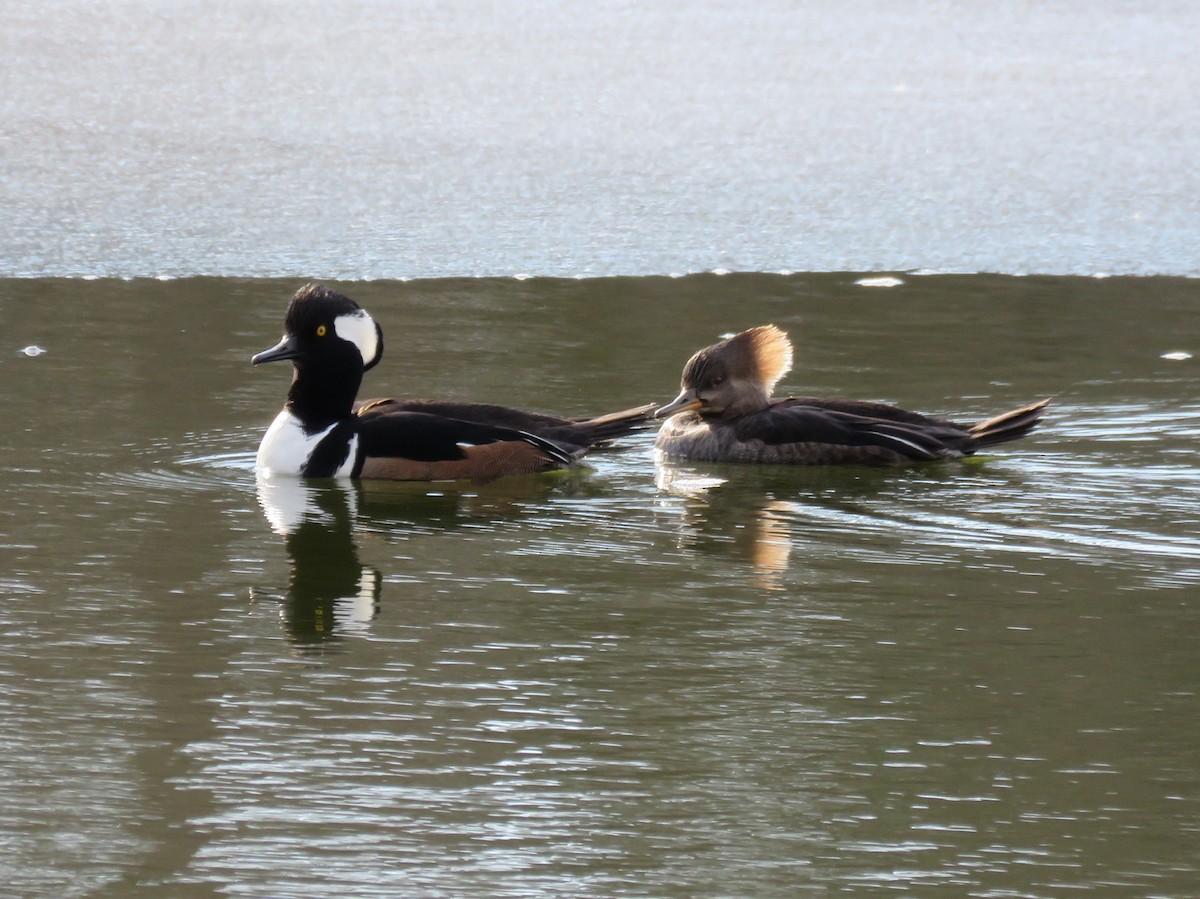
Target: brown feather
{"points": [[1009, 425], [770, 351], [482, 463]]}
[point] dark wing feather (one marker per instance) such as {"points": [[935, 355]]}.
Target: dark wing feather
{"points": [[578, 431], [434, 438], [910, 435], [795, 424], [865, 409], [480, 413]]}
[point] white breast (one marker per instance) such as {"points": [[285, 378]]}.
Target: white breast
{"points": [[286, 447]]}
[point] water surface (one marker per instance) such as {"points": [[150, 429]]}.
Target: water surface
{"points": [[637, 680], [358, 139]]}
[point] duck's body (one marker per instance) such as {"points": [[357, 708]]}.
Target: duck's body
{"points": [[332, 342], [725, 413], [406, 446]]}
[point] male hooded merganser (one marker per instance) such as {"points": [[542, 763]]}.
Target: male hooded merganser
{"points": [[725, 413], [332, 342]]}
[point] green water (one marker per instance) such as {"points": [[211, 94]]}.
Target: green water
{"points": [[637, 680]]}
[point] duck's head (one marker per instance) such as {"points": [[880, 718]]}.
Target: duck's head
{"points": [[323, 328], [735, 376]]}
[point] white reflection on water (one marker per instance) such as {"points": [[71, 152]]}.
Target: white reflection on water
{"points": [[456, 758], [330, 592], [290, 502]]}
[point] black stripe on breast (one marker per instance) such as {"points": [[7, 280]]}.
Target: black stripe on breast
{"points": [[330, 454]]}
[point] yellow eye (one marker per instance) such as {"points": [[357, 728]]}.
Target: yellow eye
{"points": [[320, 330]]}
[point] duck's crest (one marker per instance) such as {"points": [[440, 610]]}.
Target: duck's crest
{"points": [[313, 299], [769, 350]]}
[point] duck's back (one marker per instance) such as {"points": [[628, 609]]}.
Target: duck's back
{"points": [[587, 431], [814, 431]]}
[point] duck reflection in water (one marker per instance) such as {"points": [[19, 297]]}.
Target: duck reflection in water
{"points": [[771, 517], [331, 591], [756, 532]]}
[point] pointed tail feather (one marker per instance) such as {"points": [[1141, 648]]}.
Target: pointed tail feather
{"points": [[1009, 425], [603, 428]]}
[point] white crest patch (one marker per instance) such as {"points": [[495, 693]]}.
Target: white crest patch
{"points": [[359, 329]]}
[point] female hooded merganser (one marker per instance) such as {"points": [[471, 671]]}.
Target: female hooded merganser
{"points": [[726, 414], [332, 342]]}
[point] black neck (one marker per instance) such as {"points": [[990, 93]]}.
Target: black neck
{"points": [[321, 398]]}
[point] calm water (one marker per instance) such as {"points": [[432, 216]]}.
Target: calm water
{"points": [[639, 680]]}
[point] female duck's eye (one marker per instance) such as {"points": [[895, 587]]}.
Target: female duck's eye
{"points": [[320, 330], [717, 382]]}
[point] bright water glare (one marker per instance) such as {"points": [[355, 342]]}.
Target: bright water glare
{"points": [[359, 140]]}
